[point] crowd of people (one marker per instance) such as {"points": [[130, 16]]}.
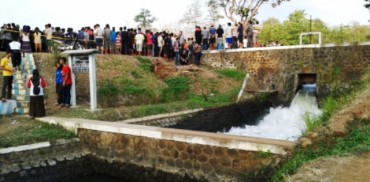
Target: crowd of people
{"points": [[130, 41]]}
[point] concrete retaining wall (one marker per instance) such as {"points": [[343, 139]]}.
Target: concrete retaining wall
{"points": [[197, 155]]}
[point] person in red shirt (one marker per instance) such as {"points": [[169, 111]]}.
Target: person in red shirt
{"points": [[67, 83], [36, 84], [149, 43]]}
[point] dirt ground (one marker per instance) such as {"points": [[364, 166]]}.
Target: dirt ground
{"points": [[335, 169]]}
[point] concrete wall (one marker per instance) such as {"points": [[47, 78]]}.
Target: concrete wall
{"points": [[196, 155], [277, 68]]}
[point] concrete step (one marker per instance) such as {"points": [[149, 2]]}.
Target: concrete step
{"points": [[19, 91], [20, 81], [18, 86], [23, 104], [22, 110], [21, 98]]}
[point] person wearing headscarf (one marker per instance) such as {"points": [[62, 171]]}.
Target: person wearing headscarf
{"points": [[36, 84]]}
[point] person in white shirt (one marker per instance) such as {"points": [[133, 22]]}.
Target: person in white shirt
{"points": [[139, 40], [15, 48], [160, 43], [49, 36], [98, 32]]}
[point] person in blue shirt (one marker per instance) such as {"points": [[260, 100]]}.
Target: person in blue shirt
{"points": [[59, 83], [113, 36], [212, 37]]}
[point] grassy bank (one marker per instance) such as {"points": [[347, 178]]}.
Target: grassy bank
{"points": [[26, 131]]}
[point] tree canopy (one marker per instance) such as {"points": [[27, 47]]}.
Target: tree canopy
{"points": [[144, 18], [244, 10], [288, 31]]}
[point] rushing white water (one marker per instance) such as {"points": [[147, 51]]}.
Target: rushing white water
{"points": [[284, 123]]}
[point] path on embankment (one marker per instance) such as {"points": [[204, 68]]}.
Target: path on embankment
{"points": [[341, 168]]}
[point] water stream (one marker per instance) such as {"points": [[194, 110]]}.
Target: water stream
{"points": [[284, 123]]}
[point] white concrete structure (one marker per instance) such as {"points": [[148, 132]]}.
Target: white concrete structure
{"points": [[72, 57], [309, 33], [192, 137]]}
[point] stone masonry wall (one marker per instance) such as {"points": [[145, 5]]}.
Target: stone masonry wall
{"points": [[277, 68], [193, 161], [61, 160]]}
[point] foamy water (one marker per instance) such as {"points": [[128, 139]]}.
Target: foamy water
{"points": [[284, 123]]}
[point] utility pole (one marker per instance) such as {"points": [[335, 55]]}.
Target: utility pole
{"points": [[310, 29]]}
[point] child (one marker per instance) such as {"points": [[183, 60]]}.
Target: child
{"points": [[36, 84], [245, 42], [59, 83], [118, 43]]}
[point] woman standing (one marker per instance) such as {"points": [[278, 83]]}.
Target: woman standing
{"points": [[26, 44], [240, 34], [37, 39], [36, 84]]}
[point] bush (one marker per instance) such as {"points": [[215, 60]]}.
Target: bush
{"points": [[108, 94], [178, 89], [233, 74]]}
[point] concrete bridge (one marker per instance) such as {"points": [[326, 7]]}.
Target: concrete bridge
{"points": [[285, 68]]}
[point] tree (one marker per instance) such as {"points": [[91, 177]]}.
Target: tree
{"points": [[193, 15], [213, 9], [367, 4], [244, 10], [144, 18], [273, 30]]}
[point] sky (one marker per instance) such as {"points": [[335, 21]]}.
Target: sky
{"points": [[79, 13]]}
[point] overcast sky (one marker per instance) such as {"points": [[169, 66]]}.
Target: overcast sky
{"points": [[78, 13]]}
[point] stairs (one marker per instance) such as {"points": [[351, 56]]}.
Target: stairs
{"points": [[20, 91]]}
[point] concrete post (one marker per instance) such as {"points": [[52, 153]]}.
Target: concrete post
{"points": [[73, 89], [92, 75]]}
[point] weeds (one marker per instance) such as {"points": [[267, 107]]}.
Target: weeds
{"points": [[233, 74], [356, 141], [28, 134]]}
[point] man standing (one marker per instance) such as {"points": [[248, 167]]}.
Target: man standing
{"points": [[107, 39], [98, 32], [67, 83], [113, 38], [228, 33], [125, 41], [220, 38], [250, 34], [15, 48], [7, 68], [182, 40], [160, 42], [49, 36], [212, 37], [139, 40], [205, 36]]}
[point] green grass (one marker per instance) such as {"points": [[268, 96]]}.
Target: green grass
{"points": [[33, 133], [356, 141], [233, 74]]}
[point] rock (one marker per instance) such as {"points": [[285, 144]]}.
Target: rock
{"points": [[23, 174], [305, 142], [35, 164], [33, 172], [26, 166], [15, 168], [52, 162], [312, 135], [43, 164], [60, 158], [4, 171]]}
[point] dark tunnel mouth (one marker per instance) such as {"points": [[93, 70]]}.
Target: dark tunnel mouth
{"points": [[306, 78]]}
